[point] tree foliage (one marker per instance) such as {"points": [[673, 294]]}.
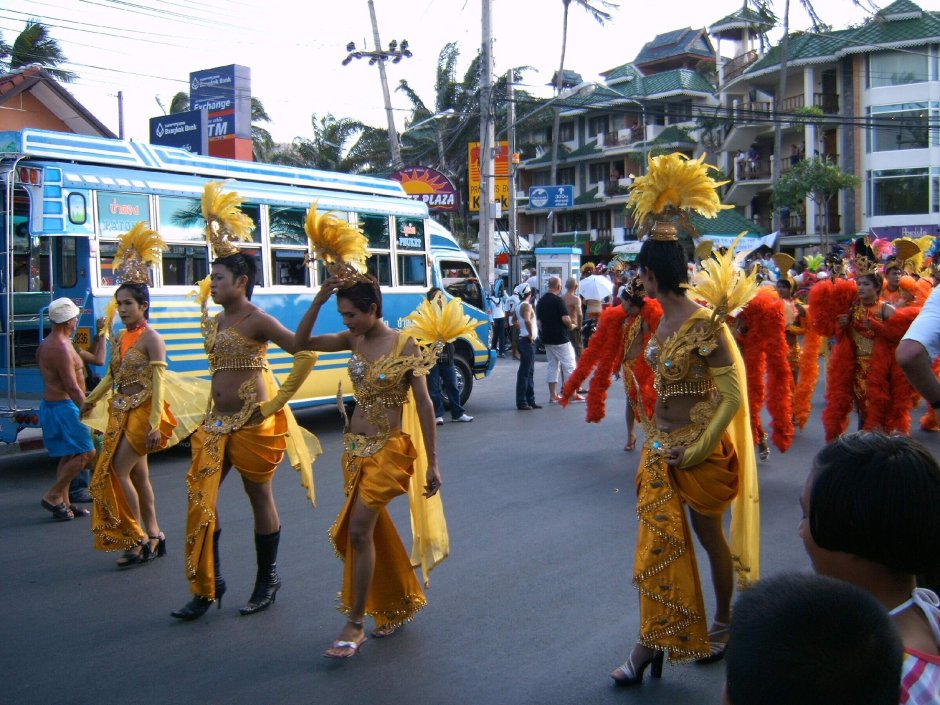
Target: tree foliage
{"points": [[35, 45], [812, 178]]}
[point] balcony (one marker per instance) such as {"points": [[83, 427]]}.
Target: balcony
{"points": [[829, 102], [612, 188], [736, 66]]}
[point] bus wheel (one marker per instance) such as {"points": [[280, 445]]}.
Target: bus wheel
{"points": [[464, 378]]}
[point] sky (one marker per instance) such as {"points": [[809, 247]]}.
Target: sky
{"points": [[147, 48]]}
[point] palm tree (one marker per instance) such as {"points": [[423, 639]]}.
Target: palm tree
{"points": [[326, 149], [35, 45], [262, 144], [599, 11]]}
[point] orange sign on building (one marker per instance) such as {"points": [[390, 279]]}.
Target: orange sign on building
{"points": [[501, 181]]}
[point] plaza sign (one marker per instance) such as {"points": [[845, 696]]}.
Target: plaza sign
{"points": [[429, 186]]}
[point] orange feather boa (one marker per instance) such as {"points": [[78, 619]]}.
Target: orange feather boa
{"points": [[890, 395], [604, 355], [765, 357], [809, 374]]}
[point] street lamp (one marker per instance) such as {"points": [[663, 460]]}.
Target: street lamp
{"points": [[396, 52]]}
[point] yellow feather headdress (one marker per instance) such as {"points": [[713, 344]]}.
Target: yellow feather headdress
{"points": [[340, 245], [673, 185], [225, 222], [435, 323], [722, 284], [139, 249]]}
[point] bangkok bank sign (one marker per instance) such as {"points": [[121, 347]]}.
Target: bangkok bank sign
{"points": [[422, 183]]}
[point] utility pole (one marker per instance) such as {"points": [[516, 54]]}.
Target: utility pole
{"points": [[514, 273], [396, 52], [487, 150], [120, 97]]}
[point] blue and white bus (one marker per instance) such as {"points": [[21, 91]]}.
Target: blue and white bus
{"points": [[67, 198]]}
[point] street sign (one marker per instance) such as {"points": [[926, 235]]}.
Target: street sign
{"points": [[551, 197]]}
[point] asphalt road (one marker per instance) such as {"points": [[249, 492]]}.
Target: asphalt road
{"points": [[534, 605]]}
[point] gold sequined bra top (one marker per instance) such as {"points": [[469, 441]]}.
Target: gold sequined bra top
{"points": [[381, 383], [228, 349], [678, 364], [133, 368]]}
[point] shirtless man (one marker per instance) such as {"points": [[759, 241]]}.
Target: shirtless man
{"points": [[64, 435], [573, 302]]}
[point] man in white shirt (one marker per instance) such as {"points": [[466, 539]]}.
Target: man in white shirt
{"points": [[495, 306]]}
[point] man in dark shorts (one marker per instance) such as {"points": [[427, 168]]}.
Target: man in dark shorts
{"points": [[64, 435]]}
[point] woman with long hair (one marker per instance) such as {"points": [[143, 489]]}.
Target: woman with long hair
{"points": [[697, 451], [139, 419]]}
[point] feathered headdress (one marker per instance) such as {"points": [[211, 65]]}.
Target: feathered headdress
{"points": [[813, 262], [784, 263], [435, 323], [225, 222], [909, 255], [865, 261], [723, 285], [673, 185], [340, 245], [138, 249]]}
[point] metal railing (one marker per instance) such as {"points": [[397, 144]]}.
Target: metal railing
{"points": [[736, 66]]}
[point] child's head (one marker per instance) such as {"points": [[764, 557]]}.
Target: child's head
{"points": [[811, 640], [874, 497]]}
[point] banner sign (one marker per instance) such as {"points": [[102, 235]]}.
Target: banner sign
{"points": [[225, 93], [912, 231], [746, 244], [188, 130], [501, 182], [422, 183]]}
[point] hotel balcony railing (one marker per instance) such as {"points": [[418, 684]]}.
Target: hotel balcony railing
{"points": [[736, 66]]}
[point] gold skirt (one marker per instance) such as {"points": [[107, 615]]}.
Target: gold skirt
{"points": [[255, 452], [114, 525], [395, 594], [672, 609]]}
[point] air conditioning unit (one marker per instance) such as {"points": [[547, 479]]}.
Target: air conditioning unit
{"points": [[600, 188], [619, 235], [625, 182], [625, 134], [522, 195], [593, 235]]}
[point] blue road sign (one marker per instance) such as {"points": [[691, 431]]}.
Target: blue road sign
{"points": [[551, 197]]}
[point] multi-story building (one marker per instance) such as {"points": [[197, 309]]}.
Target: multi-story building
{"points": [[866, 99]]}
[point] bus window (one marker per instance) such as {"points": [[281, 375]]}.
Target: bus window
{"points": [[183, 265], [253, 211], [289, 245], [380, 267], [181, 219], [412, 270], [376, 228], [288, 268], [286, 226], [409, 234], [119, 212], [77, 207], [461, 281], [68, 262]]}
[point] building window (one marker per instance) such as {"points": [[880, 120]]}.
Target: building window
{"points": [[902, 126], [899, 192], [566, 132], [598, 172], [896, 68], [565, 176], [598, 125]]}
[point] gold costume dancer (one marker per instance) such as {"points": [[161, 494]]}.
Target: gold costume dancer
{"points": [[698, 450], [136, 418], [248, 425], [390, 441]]}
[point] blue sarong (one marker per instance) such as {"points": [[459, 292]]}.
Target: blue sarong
{"points": [[63, 433]]}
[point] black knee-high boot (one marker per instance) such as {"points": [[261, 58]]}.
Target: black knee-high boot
{"points": [[198, 606], [267, 582]]}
